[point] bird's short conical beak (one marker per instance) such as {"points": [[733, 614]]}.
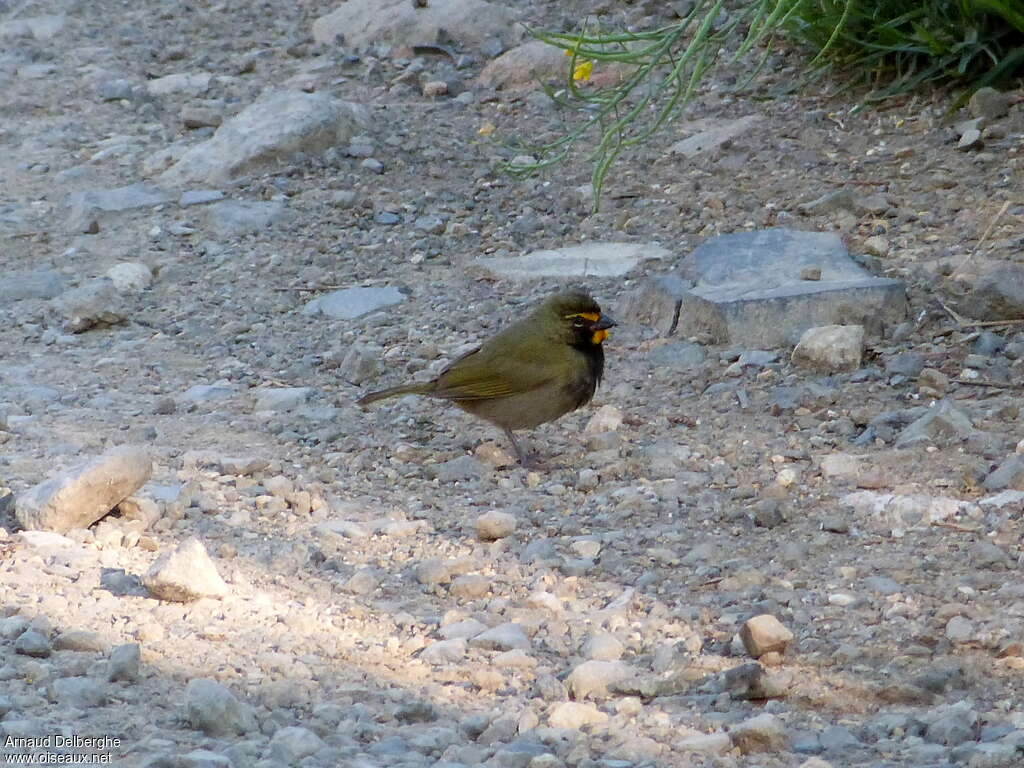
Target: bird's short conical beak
{"points": [[603, 324]]}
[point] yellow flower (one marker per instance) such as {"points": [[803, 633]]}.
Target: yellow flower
{"points": [[582, 70]]}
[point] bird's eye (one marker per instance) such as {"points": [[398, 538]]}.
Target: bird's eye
{"points": [[577, 323]]}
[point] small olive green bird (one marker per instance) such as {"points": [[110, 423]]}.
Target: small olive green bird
{"points": [[539, 368]]}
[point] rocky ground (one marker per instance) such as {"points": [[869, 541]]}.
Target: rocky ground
{"points": [[729, 559]]}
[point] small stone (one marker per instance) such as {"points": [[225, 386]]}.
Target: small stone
{"points": [[96, 303], [943, 423], [810, 273], [934, 381], [78, 692], [705, 744], [470, 587], [765, 633], [445, 651], [607, 419], [762, 733], [291, 744], [830, 348], [909, 364], [494, 525], [971, 139], [504, 637], [33, 643], [955, 726], [433, 570], [344, 198], [603, 647], [989, 103], [876, 245], [434, 88], [130, 277], [459, 470], [1009, 475], [960, 629], [574, 716], [363, 582], [359, 365], [184, 574], [373, 165], [281, 398], [595, 678], [124, 662], [213, 709], [79, 640], [751, 682], [194, 116]]}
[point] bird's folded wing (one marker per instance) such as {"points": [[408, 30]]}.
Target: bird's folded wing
{"points": [[480, 376]]}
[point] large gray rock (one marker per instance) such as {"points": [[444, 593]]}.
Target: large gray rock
{"points": [[360, 23], [586, 260], [270, 130], [184, 574], [747, 290], [80, 496], [213, 709]]}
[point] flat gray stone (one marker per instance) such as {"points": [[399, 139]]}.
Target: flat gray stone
{"points": [[361, 23], [747, 289], [282, 398], [242, 217], [350, 303], [199, 196], [43, 284], [709, 134], [82, 495], [586, 260], [138, 195], [270, 130]]}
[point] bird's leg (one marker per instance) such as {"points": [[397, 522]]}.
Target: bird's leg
{"points": [[524, 460]]}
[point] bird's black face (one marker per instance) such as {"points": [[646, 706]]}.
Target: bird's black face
{"points": [[588, 328]]}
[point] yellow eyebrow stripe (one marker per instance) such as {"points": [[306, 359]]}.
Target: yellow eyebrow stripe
{"points": [[591, 316]]}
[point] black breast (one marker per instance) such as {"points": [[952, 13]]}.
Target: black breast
{"points": [[583, 386]]}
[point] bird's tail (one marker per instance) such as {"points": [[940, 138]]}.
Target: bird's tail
{"points": [[405, 389]]}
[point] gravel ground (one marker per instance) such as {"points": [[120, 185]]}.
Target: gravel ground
{"points": [[392, 594]]}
